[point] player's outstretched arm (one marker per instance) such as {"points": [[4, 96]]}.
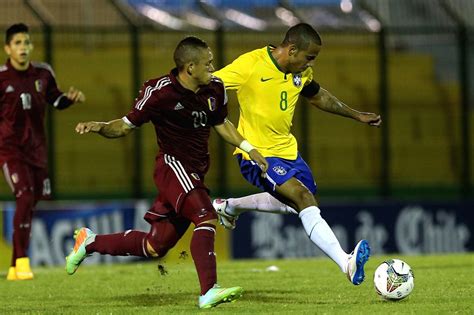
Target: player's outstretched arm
{"points": [[329, 103], [112, 129], [229, 133]]}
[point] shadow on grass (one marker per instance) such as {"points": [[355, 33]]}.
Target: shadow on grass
{"points": [[267, 296], [180, 298], [154, 299], [283, 297]]}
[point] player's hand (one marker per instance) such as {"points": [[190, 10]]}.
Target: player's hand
{"points": [[75, 95], [370, 118], [259, 159], [90, 126]]}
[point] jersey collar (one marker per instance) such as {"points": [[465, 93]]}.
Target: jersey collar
{"points": [[176, 84], [173, 76], [269, 51], [11, 68]]}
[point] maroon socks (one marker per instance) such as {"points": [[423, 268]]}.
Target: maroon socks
{"points": [[128, 243], [202, 250]]}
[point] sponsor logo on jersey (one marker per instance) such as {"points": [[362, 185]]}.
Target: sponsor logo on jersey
{"points": [[195, 176], [297, 79], [178, 106], [38, 86], [279, 170], [211, 101], [9, 89], [265, 79]]}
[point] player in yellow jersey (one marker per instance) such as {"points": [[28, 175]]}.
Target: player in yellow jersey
{"points": [[268, 82]]}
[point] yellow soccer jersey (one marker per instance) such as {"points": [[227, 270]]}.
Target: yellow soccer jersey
{"points": [[267, 98]]}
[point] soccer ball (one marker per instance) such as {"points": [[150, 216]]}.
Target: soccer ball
{"points": [[394, 279]]}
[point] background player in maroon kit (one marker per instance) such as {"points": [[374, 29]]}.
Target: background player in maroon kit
{"points": [[26, 88], [182, 105]]}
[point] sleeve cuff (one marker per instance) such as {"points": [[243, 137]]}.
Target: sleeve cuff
{"points": [[128, 122], [62, 102]]}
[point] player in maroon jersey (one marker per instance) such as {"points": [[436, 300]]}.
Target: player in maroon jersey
{"points": [[182, 106], [26, 88]]}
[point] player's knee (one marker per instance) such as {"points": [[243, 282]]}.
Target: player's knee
{"points": [[202, 216], [162, 237], [24, 209], [150, 250], [155, 249], [197, 207], [304, 198], [208, 223], [25, 198], [209, 217]]}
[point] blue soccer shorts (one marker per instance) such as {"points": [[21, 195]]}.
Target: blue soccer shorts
{"points": [[279, 171]]}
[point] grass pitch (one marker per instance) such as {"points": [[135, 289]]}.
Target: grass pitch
{"points": [[443, 285]]}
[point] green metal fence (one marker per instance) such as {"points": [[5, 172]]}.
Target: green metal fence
{"points": [[419, 78]]}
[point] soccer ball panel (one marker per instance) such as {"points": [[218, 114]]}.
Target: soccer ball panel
{"points": [[393, 279]]}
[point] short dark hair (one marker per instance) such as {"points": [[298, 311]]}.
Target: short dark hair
{"points": [[189, 49], [15, 29], [301, 35]]}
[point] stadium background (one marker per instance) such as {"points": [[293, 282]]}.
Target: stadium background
{"points": [[410, 60]]}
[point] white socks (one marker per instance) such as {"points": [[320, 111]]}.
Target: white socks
{"points": [[315, 226], [321, 234], [262, 202]]}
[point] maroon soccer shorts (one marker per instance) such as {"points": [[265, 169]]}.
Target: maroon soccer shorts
{"points": [[21, 176], [174, 183]]}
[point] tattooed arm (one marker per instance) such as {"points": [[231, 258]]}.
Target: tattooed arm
{"points": [[329, 103]]}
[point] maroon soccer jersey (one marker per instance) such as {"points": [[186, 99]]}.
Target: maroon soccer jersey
{"points": [[24, 96], [182, 118]]}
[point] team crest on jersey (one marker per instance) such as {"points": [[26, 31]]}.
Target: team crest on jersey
{"points": [[297, 79], [195, 176], [279, 170], [211, 101], [38, 86], [15, 178]]}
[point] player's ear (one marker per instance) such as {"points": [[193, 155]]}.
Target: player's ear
{"points": [[7, 49], [190, 68], [292, 50]]}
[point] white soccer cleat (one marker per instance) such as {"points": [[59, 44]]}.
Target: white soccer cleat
{"points": [[225, 219], [356, 262]]}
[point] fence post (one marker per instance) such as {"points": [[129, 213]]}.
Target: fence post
{"points": [[137, 186], [137, 176], [465, 121], [222, 147], [463, 57], [50, 114], [385, 187]]}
